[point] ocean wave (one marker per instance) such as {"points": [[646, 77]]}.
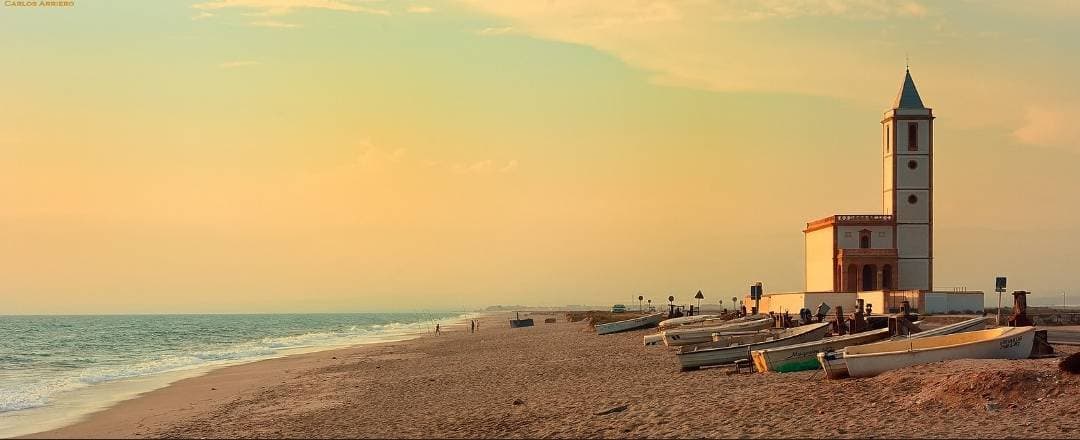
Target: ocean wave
{"points": [[32, 389]]}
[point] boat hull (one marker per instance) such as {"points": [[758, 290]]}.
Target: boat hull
{"points": [[696, 358], [696, 335], [801, 357], [629, 324], [959, 327], [998, 343]]}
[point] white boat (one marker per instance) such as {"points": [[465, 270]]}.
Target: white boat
{"points": [[996, 343], [696, 357], [683, 320], [959, 327], [833, 361], [799, 357], [629, 324], [696, 335]]}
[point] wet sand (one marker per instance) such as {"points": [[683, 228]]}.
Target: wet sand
{"points": [[561, 380]]}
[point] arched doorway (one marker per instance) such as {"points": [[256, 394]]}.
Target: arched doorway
{"points": [[869, 277], [851, 281], [886, 277]]}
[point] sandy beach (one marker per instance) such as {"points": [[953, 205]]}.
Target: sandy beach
{"points": [[561, 380]]}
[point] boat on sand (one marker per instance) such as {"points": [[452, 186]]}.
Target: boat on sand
{"points": [[695, 335], [959, 327], [692, 358], [833, 361], [629, 324], [872, 359], [800, 357], [683, 320]]}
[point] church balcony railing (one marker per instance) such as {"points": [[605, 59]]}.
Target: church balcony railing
{"points": [[859, 252], [850, 219]]}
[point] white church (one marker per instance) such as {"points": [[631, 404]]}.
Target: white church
{"points": [[883, 258]]}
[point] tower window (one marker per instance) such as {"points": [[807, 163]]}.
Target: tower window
{"points": [[888, 142], [864, 239], [912, 199], [912, 164], [913, 136]]}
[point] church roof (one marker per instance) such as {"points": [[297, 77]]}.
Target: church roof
{"points": [[908, 97]]}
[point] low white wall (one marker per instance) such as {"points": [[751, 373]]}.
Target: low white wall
{"points": [[952, 302]]}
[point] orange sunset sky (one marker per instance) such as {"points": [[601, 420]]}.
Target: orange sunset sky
{"points": [[361, 155]]}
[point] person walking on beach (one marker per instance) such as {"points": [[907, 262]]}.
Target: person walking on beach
{"points": [[436, 328], [472, 326]]}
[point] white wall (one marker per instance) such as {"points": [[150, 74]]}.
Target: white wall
{"points": [[913, 241], [951, 302], [914, 274], [907, 212], [819, 260], [793, 302], [901, 128], [909, 178], [847, 237], [876, 298]]}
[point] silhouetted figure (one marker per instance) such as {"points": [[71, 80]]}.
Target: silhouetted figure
{"points": [[472, 326], [437, 329]]}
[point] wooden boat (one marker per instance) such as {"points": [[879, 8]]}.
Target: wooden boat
{"points": [[518, 322], [872, 359], [835, 367], [959, 327], [683, 320], [695, 335], [727, 339], [629, 324], [799, 357], [694, 358]]}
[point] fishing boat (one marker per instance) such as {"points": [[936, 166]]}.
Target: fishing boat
{"points": [[959, 327], [695, 335], [997, 343], [630, 324], [799, 357], [697, 357], [683, 320], [835, 367]]}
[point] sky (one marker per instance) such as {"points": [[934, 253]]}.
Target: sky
{"points": [[361, 155]]}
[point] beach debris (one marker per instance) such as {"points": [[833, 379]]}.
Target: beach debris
{"points": [[519, 402], [612, 410], [1071, 364], [991, 406]]}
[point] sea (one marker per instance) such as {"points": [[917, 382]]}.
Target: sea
{"points": [[55, 370]]}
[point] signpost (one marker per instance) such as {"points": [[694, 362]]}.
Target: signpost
{"points": [[755, 294], [639, 298], [999, 287]]}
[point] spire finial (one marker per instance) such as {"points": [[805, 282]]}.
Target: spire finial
{"points": [[907, 62]]}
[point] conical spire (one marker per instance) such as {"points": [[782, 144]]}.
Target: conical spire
{"points": [[908, 97]]}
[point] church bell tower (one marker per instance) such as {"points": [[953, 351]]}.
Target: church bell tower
{"points": [[908, 183]]}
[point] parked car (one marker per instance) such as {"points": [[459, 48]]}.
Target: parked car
{"points": [[618, 308]]}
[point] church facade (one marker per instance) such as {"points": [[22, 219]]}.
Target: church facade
{"points": [[892, 250], [884, 258]]}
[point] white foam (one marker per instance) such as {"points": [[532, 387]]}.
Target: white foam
{"points": [[30, 404]]}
